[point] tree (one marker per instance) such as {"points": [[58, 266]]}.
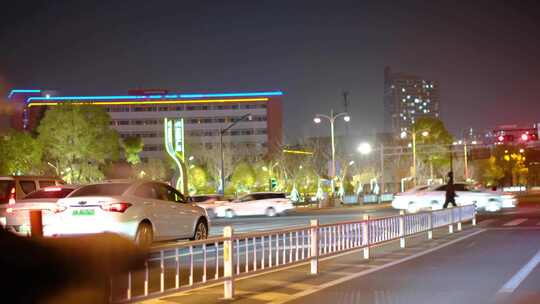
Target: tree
{"points": [[132, 145], [198, 180], [154, 169], [433, 149], [82, 148], [243, 178], [20, 153]]}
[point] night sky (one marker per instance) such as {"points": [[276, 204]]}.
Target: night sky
{"points": [[485, 55]]}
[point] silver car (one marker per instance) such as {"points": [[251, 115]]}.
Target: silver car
{"points": [[144, 211]]}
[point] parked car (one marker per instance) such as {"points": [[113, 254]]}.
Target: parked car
{"points": [[262, 203], [13, 188], [433, 197], [44, 199], [208, 202], [143, 211]]}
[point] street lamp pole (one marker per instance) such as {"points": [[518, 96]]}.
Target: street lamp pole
{"points": [[221, 132], [414, 155], [332, 119]]}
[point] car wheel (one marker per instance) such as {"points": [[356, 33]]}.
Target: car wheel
{"points": [[201, 231], [145, 235], [229, 213], [270, 212]]}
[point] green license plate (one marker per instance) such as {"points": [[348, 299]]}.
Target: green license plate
{"points": [[83, 212]]}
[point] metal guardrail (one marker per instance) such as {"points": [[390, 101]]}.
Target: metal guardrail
{"points": [[178, 267]]}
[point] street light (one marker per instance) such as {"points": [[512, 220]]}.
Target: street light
{"points": [[221, 132], [332, 118], [364, 148], [413, 135]]}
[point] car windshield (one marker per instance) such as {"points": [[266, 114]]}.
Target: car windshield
{"points": [[5, 190], [112, 189], [50, 192]]}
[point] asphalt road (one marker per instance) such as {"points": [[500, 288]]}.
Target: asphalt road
{"points": [[298, 218], [499, 265]]}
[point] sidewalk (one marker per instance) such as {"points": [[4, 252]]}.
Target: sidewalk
{"points": [[291, 283]]}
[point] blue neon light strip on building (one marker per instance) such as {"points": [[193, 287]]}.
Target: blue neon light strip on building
{"points": [[121, 97], [15, 91]]}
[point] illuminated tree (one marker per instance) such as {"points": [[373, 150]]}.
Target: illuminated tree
{"points": [[79, 139], [132, 148], [197, 180], [20, 153], [242, 178]]}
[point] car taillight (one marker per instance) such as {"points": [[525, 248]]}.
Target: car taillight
{"points": [[12, 197], [116, 207], [52, 189]]}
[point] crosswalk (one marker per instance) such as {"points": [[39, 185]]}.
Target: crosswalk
{"points": [[511, 223]]}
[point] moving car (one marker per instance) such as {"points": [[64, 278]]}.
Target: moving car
{"points": [[143, 211], [13, 188], [262, 203], [44, 199], [208, 202], [432, 198]]}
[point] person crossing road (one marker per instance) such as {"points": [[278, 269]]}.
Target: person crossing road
{"points": [[450, 191]]}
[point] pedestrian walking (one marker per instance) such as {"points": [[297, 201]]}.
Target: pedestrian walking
{"points": [[450, 191]]}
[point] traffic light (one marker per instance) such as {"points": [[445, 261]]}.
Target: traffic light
{"points": [[273, 183], [505, 138]]}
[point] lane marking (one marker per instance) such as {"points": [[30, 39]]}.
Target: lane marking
{"points": [[521, 275], [515, 222], [368, 271]]}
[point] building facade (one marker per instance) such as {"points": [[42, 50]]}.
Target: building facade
{"points": [[408, 97], [141, 114]]}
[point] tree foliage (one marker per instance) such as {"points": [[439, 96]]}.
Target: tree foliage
{"points": [[243, 177], [80, 140], [20, 154], [132, 146]]}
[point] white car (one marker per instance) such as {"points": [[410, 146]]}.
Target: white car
{"points": [[433, 197], [263, 203], [143, 211], [44, 199], [208, 202]]}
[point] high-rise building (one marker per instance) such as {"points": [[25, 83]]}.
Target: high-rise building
{"points": [[140, 113], [408, 97]]}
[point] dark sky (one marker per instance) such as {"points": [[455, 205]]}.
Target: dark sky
{"points": [[483, 53]]}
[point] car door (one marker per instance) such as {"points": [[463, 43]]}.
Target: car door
{"points": [[153, 208], [434, 198], [183, 214]]}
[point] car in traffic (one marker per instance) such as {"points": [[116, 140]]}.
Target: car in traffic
{"points": [[143, 211], [433, 197], [208, 202], [261, 203], [44, 200], [13, 188]]}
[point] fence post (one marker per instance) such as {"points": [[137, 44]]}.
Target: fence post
{"points": [[314, 246], [430, 226], [459, 220], [228, 273], [474, 217], [365, 235], [451, 224], [402, 228]]}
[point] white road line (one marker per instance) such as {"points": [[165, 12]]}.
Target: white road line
{"points": [[515, 222], [368, 271], [521, 275]]}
